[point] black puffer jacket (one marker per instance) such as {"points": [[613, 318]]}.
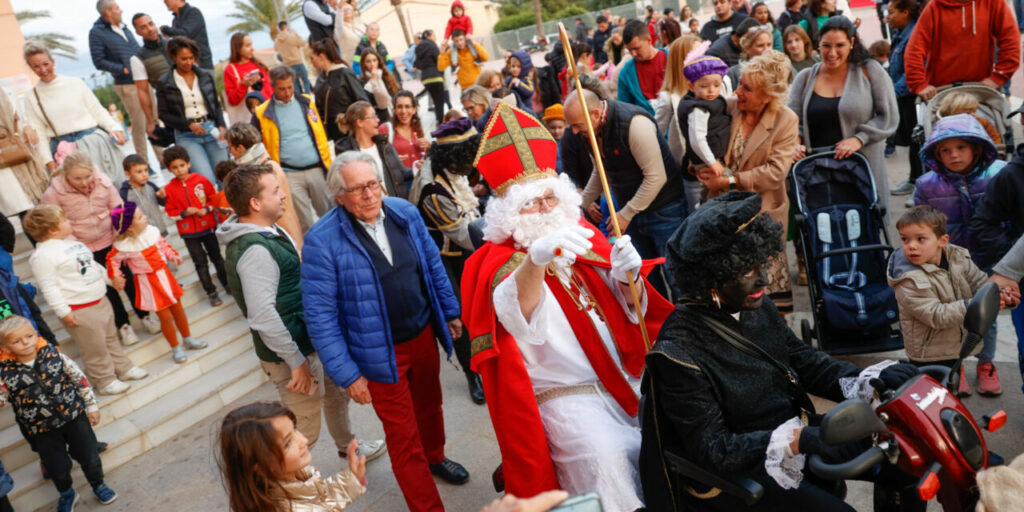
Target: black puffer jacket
{"points": [[1002, 204], [334, 92], [397, 177], [171, 106], [717, 406], [427, 53]]}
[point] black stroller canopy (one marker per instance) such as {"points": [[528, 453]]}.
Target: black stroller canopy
{"points": [[825, 181]]}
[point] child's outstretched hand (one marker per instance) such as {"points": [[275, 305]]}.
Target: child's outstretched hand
{"points": [[356, 462], [162, 193], [94, 418]]}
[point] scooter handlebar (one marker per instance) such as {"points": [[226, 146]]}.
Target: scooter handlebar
{"points": [[849, 469]]}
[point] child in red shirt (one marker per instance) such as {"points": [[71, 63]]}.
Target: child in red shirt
{"points": [[188, 202], [458, 21]]}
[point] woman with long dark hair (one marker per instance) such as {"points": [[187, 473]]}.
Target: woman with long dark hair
{"points": [[336, 88], [761, 13], [404, 131], [243, 74], [361, 125], [187, 103], [380, 83]]}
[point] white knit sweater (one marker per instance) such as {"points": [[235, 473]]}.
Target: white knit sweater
{"points": [[70, 106]]}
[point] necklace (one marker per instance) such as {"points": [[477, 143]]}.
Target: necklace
{"points": [[575, 289]]}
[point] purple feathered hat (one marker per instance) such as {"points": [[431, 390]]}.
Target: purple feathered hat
{"points": [[698, 65], [122, 216]]}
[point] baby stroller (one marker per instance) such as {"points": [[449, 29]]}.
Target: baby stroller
{"points": [[992, 106], [841, 231]]}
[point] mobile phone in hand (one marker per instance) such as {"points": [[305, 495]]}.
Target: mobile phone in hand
{"points": [[588, 502]]}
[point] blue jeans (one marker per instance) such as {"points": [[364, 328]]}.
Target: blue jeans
{"points": [[650, 232], [205, 151], [1017, 315], [302, 85], [1018, 8]]}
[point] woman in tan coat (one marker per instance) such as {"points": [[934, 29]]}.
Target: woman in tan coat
{"points": [[22, 184], [765, 134]]}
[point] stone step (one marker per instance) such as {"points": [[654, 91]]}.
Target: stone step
{"points": [[148, 426], [203, 319]]}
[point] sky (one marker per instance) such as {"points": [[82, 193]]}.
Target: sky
{"points": [[76, 17]]}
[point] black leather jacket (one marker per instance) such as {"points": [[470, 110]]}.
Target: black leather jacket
{"points": [[171, 107]]}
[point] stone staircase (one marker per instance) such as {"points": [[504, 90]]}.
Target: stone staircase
{"points": [[171, 400]]}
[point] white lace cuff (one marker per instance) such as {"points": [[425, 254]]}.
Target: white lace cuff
{"points": [[860, 386], [780, 463]]}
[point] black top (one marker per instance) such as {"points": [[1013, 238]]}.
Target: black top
{"points": [[405, 294], [822, 121], [714, 29]]}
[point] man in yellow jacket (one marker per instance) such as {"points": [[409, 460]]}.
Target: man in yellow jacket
{"points": [[294, 137], [467, 55]]}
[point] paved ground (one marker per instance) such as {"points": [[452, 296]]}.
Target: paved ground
{"points": [[182, 474]]}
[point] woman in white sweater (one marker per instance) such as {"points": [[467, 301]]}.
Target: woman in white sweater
{"points": [[63, 108]]}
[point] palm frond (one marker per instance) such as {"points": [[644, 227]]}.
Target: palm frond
{"points": [[27, 15], [61, 45]]}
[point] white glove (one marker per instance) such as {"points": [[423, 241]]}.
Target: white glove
{"points": [[573, 241], [625, 259]]}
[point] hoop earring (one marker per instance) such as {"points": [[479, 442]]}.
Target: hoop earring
{"points": [[716, 298]]}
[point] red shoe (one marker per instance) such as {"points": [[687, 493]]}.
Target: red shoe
{"points": [[988, 380], [965, 388]]}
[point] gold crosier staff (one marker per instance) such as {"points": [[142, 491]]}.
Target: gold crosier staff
{"points": [[570, 61]]}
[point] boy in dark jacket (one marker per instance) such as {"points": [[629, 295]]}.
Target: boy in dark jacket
{"points": [[138, 189], [427, 53], [188, 196], [49, 394]]}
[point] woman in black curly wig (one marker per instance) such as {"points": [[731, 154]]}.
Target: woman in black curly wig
{"points": [[735, 411]]}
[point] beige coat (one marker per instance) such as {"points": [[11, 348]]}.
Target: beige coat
{"points": [[1001, 487], [766, 159], [289, 44], [933, 302], [314, 493]]}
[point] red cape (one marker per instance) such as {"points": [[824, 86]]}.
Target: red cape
{"points": [[512, 404]]}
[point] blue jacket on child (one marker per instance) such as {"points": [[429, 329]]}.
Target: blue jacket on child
{"points": [[958, 195], [523, 91], [344, 303]]}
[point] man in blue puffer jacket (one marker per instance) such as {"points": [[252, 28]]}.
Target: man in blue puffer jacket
{"points": [[377, 298]]}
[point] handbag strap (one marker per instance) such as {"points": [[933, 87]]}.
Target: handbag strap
{"points": [[43, 110]]}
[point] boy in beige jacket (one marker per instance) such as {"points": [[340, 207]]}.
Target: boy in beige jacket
{"points": [[934, 281]]}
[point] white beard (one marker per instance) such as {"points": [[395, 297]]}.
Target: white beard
{"points": [[533, 226], [503, 220]]}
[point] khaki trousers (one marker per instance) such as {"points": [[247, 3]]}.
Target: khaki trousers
{"points": [[309, 195], [129, 95], [97, 342], [327, 396]]}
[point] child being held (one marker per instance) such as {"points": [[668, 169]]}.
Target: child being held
{"points": [[137, 189], [934, 281], [519, 81], [703, 116], [54, 406], [188, 196], [73, 284], [960, 161], [960, 102], [266, 464], [146, 253]]}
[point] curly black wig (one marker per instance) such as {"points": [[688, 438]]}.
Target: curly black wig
{"points": [[706, 256], [456, 158]]}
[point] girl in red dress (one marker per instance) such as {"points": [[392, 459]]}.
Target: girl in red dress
{"points": [[146, 252]]}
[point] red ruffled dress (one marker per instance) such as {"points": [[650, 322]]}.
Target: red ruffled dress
{"points": [[146, 256]]}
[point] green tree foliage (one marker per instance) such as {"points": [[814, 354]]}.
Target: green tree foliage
{"points": [[263, 15], [519, 13], [61, 45]]}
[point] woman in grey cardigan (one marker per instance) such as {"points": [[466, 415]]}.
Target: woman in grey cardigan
{"points": [[846, 101]]}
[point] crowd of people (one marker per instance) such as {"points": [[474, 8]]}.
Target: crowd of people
{"points": [[354, 240]]}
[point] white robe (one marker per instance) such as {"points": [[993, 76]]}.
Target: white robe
{"points": [[594, 444]]}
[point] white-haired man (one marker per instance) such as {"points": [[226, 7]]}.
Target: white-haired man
{"points": [[554, 326]]}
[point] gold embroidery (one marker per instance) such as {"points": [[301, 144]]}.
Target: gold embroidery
{"points": [[514, 134], [525, 177], [480, 344]]}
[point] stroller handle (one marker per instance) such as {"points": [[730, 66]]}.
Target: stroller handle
{"points": [[851, 250]]}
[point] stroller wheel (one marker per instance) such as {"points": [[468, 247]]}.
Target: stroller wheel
{"points": [[806, 332]]}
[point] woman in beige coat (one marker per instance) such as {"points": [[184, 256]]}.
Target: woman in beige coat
{"points": [[765, 134], [22, 184]]}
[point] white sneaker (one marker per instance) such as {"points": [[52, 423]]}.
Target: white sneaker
{"points": [[371, 449], [178, 354], [115, 388], [136, 373], [151, 325], [128, 337], [193, 344]]}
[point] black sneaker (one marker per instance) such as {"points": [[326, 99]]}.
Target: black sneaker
{"points": [[450, 471], [215, 300]]}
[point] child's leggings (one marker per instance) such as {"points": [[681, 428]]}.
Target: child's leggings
{"points": [[171, 316], [77, 439]]}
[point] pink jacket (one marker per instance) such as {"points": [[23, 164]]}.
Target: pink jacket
{"points": [[89, 215]]}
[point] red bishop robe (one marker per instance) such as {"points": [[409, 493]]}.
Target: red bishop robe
{"points": [[527, 464]]}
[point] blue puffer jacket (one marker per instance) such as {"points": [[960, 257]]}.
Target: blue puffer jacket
{"points": [[110, 52], [958, 195], [344, 304]]}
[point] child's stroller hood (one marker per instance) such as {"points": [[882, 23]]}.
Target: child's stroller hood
{"points": [[960, 126]]}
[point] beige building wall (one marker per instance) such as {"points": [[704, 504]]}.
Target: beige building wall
{"points": [[11, 41], [425, 14]]}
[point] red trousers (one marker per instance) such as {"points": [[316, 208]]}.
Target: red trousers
{"points": [[410, 411]]}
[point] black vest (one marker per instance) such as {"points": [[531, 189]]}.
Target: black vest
{"points": [[317, 31], [155, 61], [405, 293], [624, 175], [719, 127]]}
